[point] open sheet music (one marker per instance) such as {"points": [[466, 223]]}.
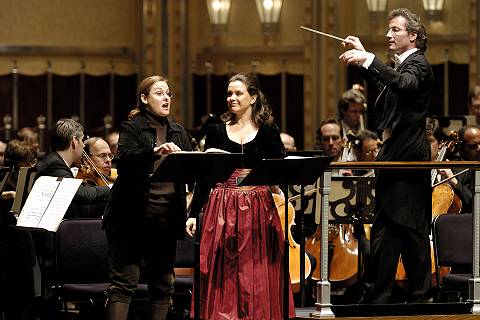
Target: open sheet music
{"points": [[47, 202]]}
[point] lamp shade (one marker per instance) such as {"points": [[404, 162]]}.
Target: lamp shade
{"points": [[376, 9], [377, 5], [269, 13], [433, 5], [433, 8], [218, 11]]}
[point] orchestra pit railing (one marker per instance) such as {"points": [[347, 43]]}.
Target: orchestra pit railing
{"points": [[323, 305]]}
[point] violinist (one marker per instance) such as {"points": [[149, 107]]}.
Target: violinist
{"points": [[435, 137], [469, 151], [67, 145], [67, 141], [366, 146], [96, 164]]}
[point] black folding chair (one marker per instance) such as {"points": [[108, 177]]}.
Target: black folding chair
{"points": [[184, 265], [82, 263], [452, 242]]}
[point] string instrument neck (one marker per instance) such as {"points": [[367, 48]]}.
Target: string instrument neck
{"points": [[94, 167]]}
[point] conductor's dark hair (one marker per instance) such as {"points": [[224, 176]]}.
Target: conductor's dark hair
{"points": [[63, 132], [414, 24]]}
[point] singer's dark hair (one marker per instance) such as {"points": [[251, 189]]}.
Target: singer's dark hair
{"points": [[261, 110]]}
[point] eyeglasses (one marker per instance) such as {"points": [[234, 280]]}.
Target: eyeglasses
{"points": [[104, 156], [162, 94], [394, 31]]}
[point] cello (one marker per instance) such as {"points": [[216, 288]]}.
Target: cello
{"points": [[343, 260], [294, 248], [444, 200]]}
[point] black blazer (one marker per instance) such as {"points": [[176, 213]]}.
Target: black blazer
{"points": [[402, 107], [127, 203], [53, 165]]}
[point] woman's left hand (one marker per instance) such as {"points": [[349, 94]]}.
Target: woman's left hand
{"points": [[166, 148]]}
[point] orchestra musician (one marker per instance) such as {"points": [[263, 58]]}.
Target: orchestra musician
{"points": [[330, 141], [351, 108], [469, 137], [67, 141], [95, 167], [403, 197]]}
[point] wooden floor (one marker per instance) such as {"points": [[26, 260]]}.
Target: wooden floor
{"points": [[420, 317], [426, 311]]}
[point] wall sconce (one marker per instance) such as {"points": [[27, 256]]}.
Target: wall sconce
{"points": [[376, 9], [218, 11], [433, 8], [269, 13]]}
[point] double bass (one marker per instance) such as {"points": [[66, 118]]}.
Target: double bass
{"points": [[294, 248]]}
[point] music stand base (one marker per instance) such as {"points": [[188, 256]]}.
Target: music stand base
{"points": [[322, 312], [474, 294], [323, 305]]}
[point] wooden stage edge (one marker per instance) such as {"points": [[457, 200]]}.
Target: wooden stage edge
{"points": [[424, 311], [419, 317]]}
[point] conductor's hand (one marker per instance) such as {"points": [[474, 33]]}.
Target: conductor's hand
{"points": [[191, 226], [352, 42], [166, 148], [354, 56], [356, 53]]}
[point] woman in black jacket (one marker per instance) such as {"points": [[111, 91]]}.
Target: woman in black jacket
{"points": [[143, 218]]}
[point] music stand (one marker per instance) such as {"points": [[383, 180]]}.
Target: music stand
{"points": [[198, 167], [285, 172]]}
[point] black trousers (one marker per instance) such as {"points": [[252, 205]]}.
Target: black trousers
{"points": [[150, 244], [388, 240]]}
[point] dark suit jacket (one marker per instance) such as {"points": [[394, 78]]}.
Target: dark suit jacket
{"points": [[402, 107], [53, 165]]}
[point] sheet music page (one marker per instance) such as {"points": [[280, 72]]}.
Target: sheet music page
{"points": [[59, 204], [47, 202], [37, 201], [297, 157]]}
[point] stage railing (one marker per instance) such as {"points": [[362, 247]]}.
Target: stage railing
{"points": [[323, 305]]}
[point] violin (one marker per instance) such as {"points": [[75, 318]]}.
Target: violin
{"points": [[90, 174], [294, 249]]}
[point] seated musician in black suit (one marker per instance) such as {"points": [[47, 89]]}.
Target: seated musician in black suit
{"points": [[17, 252], [469, 137], [67, 143]]}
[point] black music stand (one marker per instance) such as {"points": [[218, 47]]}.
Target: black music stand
{"points": [[199, 167], [285, 172]]}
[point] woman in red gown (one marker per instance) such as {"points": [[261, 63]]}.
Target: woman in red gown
{"points": [[241, 249]]}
